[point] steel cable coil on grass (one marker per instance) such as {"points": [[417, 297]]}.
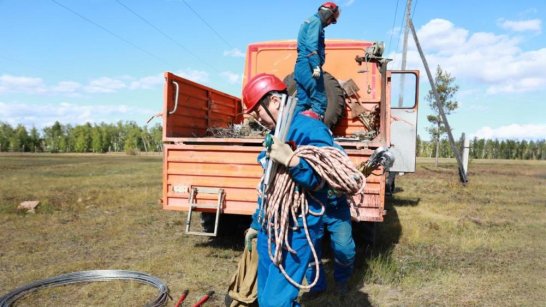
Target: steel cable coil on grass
{"points": [[90, 276]]}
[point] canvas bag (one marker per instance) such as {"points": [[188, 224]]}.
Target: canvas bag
{"points": [[243, 288]]}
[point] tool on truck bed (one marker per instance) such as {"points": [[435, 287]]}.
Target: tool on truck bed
{"points": [[369, 118]]}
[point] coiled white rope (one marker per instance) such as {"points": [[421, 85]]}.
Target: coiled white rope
{"points": [[287, 200]]}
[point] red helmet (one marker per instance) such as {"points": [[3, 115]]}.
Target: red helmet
{"points": [[257, 87], [333, 8]]}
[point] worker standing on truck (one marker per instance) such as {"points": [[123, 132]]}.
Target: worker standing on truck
{"points": [[336, 221], [262, 96], [308, 72]]}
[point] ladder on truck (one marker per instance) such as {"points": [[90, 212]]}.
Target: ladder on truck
{"points": [[286, 113], [192, 205]]}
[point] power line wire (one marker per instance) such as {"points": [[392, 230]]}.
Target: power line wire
{"points": [[165, 35], [111, 33], [399, 36], [393, 24], [208, 25], [401, 28], [414, 7]]}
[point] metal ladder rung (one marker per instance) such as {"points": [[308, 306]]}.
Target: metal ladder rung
{"points": [[192, 204], [204, 206]]}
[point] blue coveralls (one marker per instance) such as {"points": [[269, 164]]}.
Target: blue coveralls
{"points": [[337, 222], [273, 288], [311, 93]]}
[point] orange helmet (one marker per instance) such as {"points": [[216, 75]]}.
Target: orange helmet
{"points": [[258, 87], [333, 8]]}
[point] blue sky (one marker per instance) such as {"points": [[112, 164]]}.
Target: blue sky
{"points": [[102, 60]]}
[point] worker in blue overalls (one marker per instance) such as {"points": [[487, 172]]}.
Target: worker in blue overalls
{"points": [[311, 56], [262, 96]]}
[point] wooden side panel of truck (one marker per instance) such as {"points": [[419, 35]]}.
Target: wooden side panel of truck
{"points": [[193, 160]]}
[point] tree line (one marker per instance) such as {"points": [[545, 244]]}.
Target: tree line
{"points": [[486, 149], [130, 138], [98, 138], [479, 148]]}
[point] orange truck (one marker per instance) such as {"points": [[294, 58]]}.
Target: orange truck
{"points": [[369, 107]]}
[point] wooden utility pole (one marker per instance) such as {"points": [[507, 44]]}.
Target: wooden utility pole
{"points": [[462, 173], [466, 151], [404, 52]]}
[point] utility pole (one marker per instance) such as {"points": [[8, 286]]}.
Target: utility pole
{"points": [[466, 151], [404, 52], [462, 173]]}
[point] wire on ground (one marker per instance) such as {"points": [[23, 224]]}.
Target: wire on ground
{"points": [[89, 276]]}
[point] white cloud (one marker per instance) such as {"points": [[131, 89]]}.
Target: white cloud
{"points": [[232, 78], [147, 82], [104, 85], [394, 31], [198, 76], [37, 86], [486, 59], [43, 115], [532, 25], [349, 2], [68, 87], [441, 35], [514, 131], [517, 86], [21, 84], [235, 52]]}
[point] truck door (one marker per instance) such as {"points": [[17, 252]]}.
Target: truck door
{"points": [[404, 95]]}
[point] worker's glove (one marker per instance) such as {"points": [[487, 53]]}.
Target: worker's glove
{"points": [[250, 234], [281, 153], [316, 72]]}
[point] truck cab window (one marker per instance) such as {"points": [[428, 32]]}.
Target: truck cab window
{"points": [[403, 85]]}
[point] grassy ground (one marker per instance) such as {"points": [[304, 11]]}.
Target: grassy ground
{"points": [[441, 243]]}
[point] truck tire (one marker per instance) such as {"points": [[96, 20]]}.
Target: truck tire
{"points": [[229, 224], [207, 221], [334, 92], [365, 233], [390, 184]]}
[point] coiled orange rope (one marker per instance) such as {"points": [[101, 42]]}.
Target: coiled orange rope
{"points": [[286, 200]]}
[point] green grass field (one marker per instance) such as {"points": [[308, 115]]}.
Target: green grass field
{"points": [[441, 243]]}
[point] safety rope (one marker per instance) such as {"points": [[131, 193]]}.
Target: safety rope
{"points": [[287, 201]]}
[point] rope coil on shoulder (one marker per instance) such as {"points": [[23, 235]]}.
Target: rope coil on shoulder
{"points": [[287, 201]]}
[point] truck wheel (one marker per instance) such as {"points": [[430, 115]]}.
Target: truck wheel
{"points": [[365, 233], [229, 224], [207, 221], [390, 184], [334, 92]]}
